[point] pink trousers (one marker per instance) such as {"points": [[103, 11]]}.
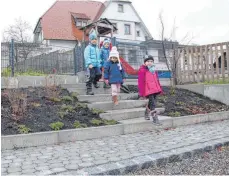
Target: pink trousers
{"points": [[115, 89]]}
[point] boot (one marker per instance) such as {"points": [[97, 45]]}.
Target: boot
{"points": [[96, 85], [147, 114], [115, 100], [154, 115], [89, 92]]}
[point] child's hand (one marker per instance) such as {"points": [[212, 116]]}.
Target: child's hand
{"points": [[106, 81], [90, 66], [124, 80]]}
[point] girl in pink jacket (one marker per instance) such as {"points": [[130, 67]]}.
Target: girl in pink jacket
{"points": [[149, 87]]}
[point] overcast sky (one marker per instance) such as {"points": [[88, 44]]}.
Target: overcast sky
{"points": [[206, 20]]}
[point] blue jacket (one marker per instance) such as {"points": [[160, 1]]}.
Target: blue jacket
{"points": [[104, 55], [92, 56], [113, 73]]}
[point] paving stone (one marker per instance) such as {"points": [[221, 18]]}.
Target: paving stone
{"points": [[114, 159], [28, 171], [14, 169], [98, 162], [6, 161], [42, 168], [56, 170], [56, 165], [72, 167], [14, 174], [86, 164], [25, 167]]}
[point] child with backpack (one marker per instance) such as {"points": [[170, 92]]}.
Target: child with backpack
{"points": [[104, 55], [114, 74], [149, 87]]}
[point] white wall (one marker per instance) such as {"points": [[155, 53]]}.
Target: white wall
{"points": [[61, 44], [128, 17], [112, 13]]}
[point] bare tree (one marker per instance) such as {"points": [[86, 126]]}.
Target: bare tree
{"points": [[21, 32], [170, 52]]}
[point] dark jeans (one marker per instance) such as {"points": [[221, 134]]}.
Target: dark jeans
{"points": [[152, 101], [94, 76]]}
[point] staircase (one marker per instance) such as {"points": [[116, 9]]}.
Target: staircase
{"points": [[129, 111]]}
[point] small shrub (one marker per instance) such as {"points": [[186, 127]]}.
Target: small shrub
{"points": [[109, 122], [172, 91], [74, 95], [180, 103], [18, 101], [81, 105], [67, 108], [97, 111], [23, 129], [36, 105], [62, 114], [56, 126], [77, 124], [96, 122], [55, 99], [175, 114], [67, 99]]}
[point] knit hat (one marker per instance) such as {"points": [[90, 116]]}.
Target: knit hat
{"points": [[92, 35], [106, 40], [147, 58], [115, 53]]}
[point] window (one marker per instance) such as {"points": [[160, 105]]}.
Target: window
{"points": [[138, 33], [84, 23], [115, 24], [120, 8], [78, 23], [127, 29]]}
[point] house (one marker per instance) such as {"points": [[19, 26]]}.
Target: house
{"points": [[61, 23]]}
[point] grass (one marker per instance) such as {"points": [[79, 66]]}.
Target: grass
{"points": [[7, 72], [77, 124], [220, 81]]}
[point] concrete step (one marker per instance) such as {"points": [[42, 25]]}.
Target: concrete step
{"points": [[105, 97], [140, 124], [124, 114], [82, 91], [123, 104]]}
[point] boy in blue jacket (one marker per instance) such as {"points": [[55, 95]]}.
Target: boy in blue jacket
{"points": [[92, 63], [114, 74], [104, 55]]}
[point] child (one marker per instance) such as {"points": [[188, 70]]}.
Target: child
{"points": [[92, 63], [114, 74], [149, 87], [104, 55]]}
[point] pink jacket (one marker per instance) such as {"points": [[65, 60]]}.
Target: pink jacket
{"points": [[148, 83]]}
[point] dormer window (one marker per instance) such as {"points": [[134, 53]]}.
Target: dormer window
{"points": [[80, 19], [120, 8], [81, 22]]}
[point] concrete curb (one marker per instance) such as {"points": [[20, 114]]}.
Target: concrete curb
{"points": [[56, 137], [155, 159]]}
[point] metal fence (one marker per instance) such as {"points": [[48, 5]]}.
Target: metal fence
{"points": [[34, 60]]}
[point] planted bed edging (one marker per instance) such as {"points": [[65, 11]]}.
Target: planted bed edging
{"points": [[56, 137]]}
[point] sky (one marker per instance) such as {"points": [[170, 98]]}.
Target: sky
{"points": [[203, 21]]}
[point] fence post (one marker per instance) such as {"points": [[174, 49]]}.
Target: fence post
{"points": [[74, 58], [12, 57]]}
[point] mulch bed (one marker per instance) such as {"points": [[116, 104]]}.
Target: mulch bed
{"points": [[41, 111], [182, 102]]}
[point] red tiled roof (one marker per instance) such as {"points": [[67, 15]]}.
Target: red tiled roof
{"points": [[80, 16], [57, 22]]}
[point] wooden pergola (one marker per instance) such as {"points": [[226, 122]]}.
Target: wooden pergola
{"points": [[102, 28]]}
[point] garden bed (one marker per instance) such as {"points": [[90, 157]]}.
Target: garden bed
{"points": [[30, 110], [180, 102]]}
